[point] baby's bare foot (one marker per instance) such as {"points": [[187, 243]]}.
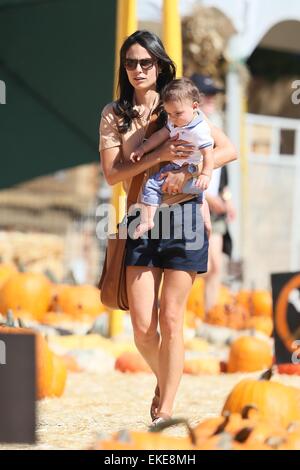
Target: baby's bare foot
{"points": [[142, 228]]}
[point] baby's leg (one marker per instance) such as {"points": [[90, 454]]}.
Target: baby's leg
{"points": [[147, 222]]}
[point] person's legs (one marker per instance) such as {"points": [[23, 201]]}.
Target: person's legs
{"points": [[142, 289], [213, 276], [175, 290]]}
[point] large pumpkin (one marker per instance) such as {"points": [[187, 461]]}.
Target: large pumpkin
{"points": [[6, 270], [26, 291], [79, 300], [274, 401], [44, 360], [248, 354]]}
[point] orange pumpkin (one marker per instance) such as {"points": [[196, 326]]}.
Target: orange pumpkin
{"points": [[257, 302], [263, 324], [6, 270], [26, 291], [273, 400], [248, 354], [78, 301], [262, 303], [131, 362], [229, 315], [59, 377]]}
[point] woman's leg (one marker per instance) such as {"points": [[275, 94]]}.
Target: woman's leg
{"points": [[175, 290], [142, 289]]}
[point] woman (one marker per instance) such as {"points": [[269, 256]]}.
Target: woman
{"points": [[144, 69]]}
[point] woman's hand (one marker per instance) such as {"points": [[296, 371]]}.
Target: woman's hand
{"points": [[175, 180], [175, 148]]}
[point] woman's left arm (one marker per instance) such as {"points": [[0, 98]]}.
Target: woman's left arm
{"points": [[224, 151]]}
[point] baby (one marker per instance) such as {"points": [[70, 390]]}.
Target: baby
{"points": [[181, 100]]}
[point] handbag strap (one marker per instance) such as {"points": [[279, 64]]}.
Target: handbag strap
{"points": [[137, 180]]}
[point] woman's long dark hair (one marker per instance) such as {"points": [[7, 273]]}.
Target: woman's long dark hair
{"points": [[124, 105]]}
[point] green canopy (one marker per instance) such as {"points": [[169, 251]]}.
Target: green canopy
{"points": [[57, 61]]}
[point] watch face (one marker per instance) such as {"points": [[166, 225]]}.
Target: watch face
{"points": [[192, 168]]}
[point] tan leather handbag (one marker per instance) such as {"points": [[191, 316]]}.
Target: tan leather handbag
{"points": [[112, 283]]}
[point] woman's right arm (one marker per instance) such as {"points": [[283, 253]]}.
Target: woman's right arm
{"points": [[116, 170]]}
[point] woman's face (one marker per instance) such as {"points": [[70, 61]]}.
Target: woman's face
{"points": [[143, 76]]}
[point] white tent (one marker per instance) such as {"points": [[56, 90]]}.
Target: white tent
{"points": [[253, 20]]}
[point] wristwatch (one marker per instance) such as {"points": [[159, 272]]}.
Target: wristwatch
{"points": [[192, 169]]}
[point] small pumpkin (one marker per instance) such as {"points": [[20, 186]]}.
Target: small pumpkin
{"points": [[248, 354], [131, 362]]}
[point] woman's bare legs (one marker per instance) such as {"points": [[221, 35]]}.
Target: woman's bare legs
{"points": [[142, 289], [175, 290]]}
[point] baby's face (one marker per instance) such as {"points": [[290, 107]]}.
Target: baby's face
{"points": [[180, 113]]}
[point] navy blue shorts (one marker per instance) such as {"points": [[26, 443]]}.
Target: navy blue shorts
{"points": [[178, 239]]}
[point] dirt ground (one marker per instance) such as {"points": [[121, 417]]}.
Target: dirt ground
{"points": [[96, 403]]}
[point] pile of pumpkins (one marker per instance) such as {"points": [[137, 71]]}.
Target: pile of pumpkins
{"points": [[51, 369], [32, 296], [258, 414], [248, 309]]}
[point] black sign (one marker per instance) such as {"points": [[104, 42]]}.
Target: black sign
{"points": [[17, 388], [286, 311]]}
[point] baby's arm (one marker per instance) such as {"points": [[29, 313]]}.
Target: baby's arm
{"points": [[208, 166], [151, 143]]}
